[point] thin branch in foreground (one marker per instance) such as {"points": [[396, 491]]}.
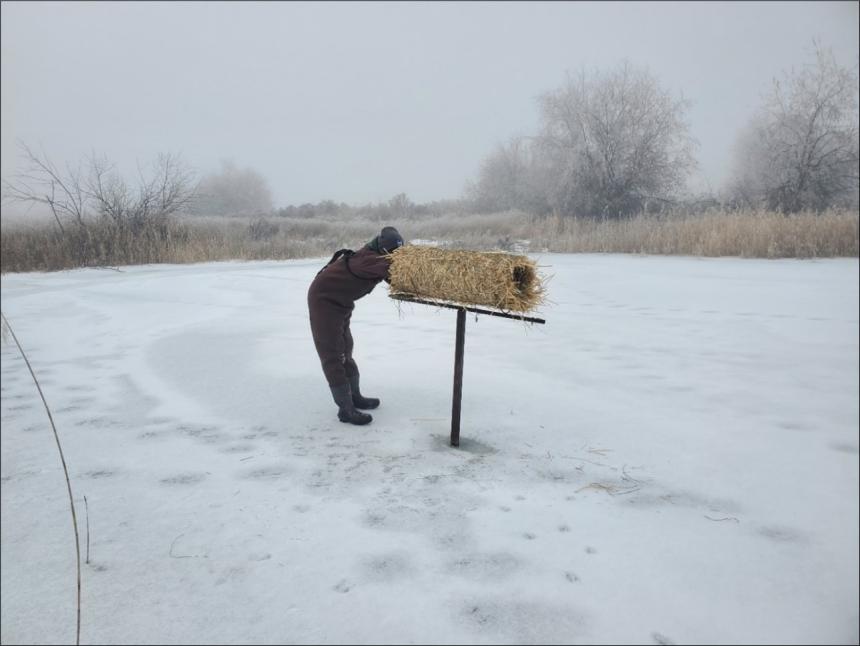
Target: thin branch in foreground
{"points": [[8, 327], [87, 510]]}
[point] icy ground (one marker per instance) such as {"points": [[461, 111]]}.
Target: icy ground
{"points": [[673, 458]]}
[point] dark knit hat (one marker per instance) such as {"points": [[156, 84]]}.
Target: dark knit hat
{"points": [[387, 241]]}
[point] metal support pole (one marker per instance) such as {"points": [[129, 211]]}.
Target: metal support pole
{"points": [[458, 348], [458, 377]]}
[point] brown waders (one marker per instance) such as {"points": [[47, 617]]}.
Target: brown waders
{"points": [[331, 300]]}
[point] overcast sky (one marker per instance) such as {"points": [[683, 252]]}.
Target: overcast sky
{"points": [[358, 101]]}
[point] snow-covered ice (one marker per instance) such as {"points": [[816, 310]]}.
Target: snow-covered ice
{"points": [[673, 458]]}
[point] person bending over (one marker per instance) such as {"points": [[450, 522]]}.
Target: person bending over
{"points": [[348, 276]]}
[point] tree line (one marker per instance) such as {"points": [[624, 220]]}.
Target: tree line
{"points": [[610, 143], [614, 142]]}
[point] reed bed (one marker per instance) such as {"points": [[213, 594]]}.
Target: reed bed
{"points": [[748, 234], [745, 234]]}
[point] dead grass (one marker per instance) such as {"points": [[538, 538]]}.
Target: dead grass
{"points": [[749, 234], [753, 234], [45, 248]]}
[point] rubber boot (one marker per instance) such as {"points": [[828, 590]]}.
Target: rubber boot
{"points": [[358, 401], [345, 408]]}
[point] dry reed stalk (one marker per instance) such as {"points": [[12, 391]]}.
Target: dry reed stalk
{"points": [[87, 510], [6, 326], [505, 281]]}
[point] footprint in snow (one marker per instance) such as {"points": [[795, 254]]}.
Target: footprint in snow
{"points": [[343, 586], [238, 448], [95, 475], [184, 479]]}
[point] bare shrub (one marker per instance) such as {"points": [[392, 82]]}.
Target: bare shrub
{"points": [[99, 217], [93, 188]]}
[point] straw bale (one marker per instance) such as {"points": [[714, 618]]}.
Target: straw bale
{"points": [[505, 281]]}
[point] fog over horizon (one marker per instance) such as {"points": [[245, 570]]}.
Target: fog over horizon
{"points": [[358, 101]]}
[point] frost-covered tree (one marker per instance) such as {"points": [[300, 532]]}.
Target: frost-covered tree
{"points": [[800, 151], [233, 191], [513, 176], [612, 140]]}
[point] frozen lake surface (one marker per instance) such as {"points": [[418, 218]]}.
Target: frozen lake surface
{"points": [[673, 458]]}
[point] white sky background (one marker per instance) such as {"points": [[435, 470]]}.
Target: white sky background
{"points": [[358, 101]]}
